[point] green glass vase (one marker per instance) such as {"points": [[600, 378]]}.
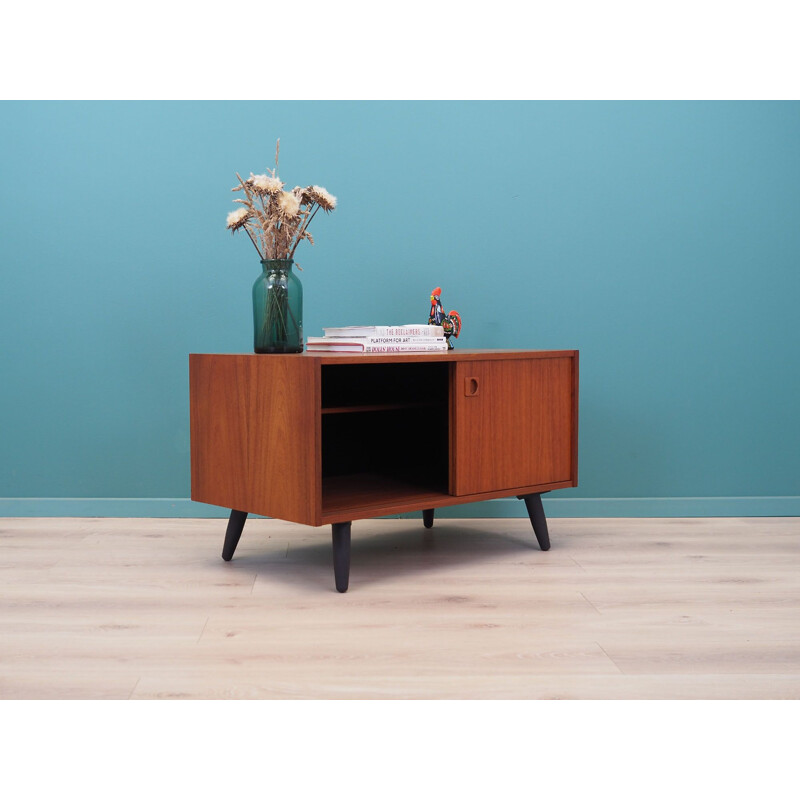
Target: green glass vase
{"points": [[277, 308]]}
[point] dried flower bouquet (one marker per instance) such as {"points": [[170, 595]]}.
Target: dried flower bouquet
{"points": [[276, 220]]}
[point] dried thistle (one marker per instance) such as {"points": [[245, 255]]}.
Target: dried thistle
{"points": [[320, 195], [288, 205], [265, 184], [237, 218], [276, 220]]}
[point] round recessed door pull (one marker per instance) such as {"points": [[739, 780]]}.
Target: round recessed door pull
{"points": [[471, 387]]}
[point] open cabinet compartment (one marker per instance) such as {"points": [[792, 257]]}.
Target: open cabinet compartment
{"points": [[385, 433]]}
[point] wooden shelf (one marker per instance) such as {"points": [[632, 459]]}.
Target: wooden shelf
{"points": [[366, 494], [379, 407]]}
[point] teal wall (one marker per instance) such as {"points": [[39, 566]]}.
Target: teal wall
{"points": [[661, 239]]}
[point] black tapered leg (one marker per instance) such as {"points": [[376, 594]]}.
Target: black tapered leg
{"points": [[533, 502], [427, 517], [234, 533], [341, 555]]}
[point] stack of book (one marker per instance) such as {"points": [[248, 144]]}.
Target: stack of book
{"points": [[380, 339]]}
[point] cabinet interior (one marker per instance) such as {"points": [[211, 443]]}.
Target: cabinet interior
{"points": [[384, 432]]}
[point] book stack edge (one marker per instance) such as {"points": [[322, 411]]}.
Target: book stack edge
{"points": [[379, 339]]}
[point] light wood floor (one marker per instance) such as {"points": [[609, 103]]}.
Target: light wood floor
{"points": [[617, 609]]}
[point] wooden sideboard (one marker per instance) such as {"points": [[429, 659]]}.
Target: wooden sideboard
{"points": [[319, 438]]}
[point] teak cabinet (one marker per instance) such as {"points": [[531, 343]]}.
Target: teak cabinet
{"points": [[320, 438]]}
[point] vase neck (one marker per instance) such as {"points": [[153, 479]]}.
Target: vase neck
{"points": [[276, 264]]}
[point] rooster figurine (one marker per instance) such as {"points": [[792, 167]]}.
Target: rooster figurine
{"points": [[451, 323]]}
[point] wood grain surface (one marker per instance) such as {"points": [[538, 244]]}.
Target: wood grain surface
{"points": [[265, 439], [617, 609], [255, 434], [513, 424], [458, 354]]}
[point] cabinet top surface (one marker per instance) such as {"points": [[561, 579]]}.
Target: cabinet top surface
{"points": [[449, 355]]}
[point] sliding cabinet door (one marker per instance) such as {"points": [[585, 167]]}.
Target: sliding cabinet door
{"points": [[514, 423]]}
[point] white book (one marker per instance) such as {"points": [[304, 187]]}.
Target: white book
{"points": [[385, 330], [331, 340], [361, 347], [334, 348]]}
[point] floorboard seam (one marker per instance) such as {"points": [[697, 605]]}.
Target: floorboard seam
{"points": [[609, 658], [590, 602]]}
